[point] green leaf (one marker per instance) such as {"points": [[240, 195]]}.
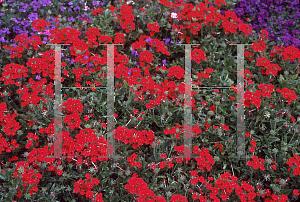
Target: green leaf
{"points": [[272, 122], [2, 177], [222, 120], [273, 139], [281, 79], [293, 77]]}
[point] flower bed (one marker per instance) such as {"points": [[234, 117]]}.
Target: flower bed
{"points": [[149, 114]]}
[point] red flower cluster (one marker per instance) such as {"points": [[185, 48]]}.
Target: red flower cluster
{"points": [[275, 51], [44, 64], [247, 54], [26, 41], [291, 52], [220, 146], [176, 130], [91, 36], [33, 97], [11, 126], [147, 57], [74, 107], [39, 24], [87, 144], [13, 71], [178, 198], [252, 149], [29, 176], [231, 25], [65, 36], [266, 90], [127, 18], [119, 38], [288, 94], [256, 163], [247, 75], [31, 137], [220, 2], [259, 47], [205, 160], [139, 187], [85, 187], [78, 73], [252, 98], [137, 138], [132, 162], [160, 46], [153, 28], [97, 11], [294, 162], [271, 68], [198, 55], [177, 72]]}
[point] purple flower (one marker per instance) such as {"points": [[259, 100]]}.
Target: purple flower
{"points": [[62, 8], [96, 3], [45, 40], [102, 4], [72, 61], [167, 40], [33, 16], [38, 77], [71, 19], [148, 40], [134, 53], [164, 62], [70, 3], [77, 8], [6, 30]]}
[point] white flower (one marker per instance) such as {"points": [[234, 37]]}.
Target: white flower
{"points": [[173, 15], [86, 7], [267, 115]]}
